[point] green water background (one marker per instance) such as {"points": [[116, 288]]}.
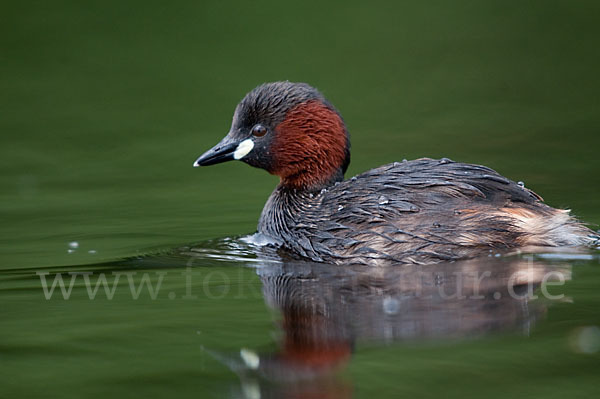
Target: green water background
{"points": [[104, 106]]}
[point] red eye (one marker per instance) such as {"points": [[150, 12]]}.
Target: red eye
{"points": [[259, 130]]}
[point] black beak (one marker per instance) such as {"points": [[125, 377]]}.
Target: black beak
{"points": [[222, 152]]}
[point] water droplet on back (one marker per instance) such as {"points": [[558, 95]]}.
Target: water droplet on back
{"points": [[383, 200]]}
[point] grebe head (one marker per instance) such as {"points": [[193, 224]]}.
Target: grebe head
{"points": [[290, 130]]}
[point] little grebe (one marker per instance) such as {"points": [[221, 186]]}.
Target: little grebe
{"points": [[420, 211]]}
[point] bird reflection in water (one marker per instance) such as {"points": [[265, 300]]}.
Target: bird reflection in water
{"points": [[326, 310]]}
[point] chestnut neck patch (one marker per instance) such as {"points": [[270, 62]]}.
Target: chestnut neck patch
{"points": [[311, 147]]}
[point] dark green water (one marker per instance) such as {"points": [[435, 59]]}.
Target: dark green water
{"points": [[105, 105]]}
